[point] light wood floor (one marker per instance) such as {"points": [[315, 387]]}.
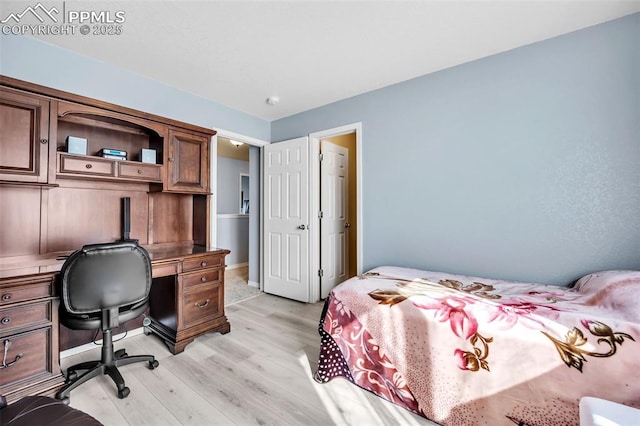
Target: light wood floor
{"points": [[258, 374]]}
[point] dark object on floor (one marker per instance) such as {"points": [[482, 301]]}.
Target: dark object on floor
{"points": [[103, 285], [42, 411]]}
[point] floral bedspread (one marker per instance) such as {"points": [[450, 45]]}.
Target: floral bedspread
{"points": [[463, 350]]}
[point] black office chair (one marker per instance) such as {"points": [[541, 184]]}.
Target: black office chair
{"points": [[103, 285]]}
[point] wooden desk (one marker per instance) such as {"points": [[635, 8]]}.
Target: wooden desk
{"points": [[186, 301], [187, 295]]}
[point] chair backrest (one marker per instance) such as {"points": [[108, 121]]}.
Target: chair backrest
{"points": [[105, 276]]}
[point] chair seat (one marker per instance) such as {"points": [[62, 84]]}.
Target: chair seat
{"points": [[82, 322], [41, 410]]}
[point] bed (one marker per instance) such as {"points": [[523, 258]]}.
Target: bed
{"points": [[463, 350]]}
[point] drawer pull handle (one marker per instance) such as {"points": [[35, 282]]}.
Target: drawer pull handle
{"points": [[7, 343], [203, 264], [140, 171], [6, 297], [202, 306], [88, 166], [203, 279], [5, 320]]}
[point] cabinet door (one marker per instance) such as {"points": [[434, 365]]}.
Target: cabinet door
{"points": [[188, 162], [24, 137]]}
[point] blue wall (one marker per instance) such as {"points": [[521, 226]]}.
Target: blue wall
{"points": [[233, 234], [523, 165], [38, 62], [229, 171]]}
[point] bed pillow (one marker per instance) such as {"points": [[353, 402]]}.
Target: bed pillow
{"points": [[615, 290]]}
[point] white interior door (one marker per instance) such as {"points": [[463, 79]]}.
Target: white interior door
{"points": [[286, 219], [334, 174]]}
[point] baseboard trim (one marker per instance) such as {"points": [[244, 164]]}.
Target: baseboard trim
{"points": [[237, 265], [254, 284], [89, 346]]}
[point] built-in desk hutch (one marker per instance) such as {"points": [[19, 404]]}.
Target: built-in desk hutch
{"points": [[53, 201]]}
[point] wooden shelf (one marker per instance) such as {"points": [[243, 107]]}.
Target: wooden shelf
{"points": [[104, 124]]}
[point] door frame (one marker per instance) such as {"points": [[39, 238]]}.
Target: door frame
{"points": [[314, 185], [213, 187]]}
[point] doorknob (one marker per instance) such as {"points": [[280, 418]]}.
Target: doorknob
{"points": [[347, 225], [302, 227]]}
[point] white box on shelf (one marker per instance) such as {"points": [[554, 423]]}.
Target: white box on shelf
{"points": [[76, 145], [148, 156]]}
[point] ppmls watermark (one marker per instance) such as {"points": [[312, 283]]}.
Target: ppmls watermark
{"points": [[57, 20]]}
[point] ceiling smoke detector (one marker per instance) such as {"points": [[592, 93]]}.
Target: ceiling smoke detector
{"points": [[272, 100]]}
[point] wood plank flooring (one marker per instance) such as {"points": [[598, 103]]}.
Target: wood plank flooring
{"points": [[258, 374]]}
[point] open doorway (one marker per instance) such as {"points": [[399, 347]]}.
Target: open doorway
{"points": [[348, 138], [235, 205], [338, 204], [233, 201]]}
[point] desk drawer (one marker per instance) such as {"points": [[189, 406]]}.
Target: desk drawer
{"points": [[192, 264], [26, 356], [202, 303], [20, 293], [201, 277], [164, 269], [142, 171], [86, 165], [26, 315]]}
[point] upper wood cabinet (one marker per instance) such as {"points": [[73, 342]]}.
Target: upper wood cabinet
{"points": [[187, 162], [24, 137], [36, 121]]}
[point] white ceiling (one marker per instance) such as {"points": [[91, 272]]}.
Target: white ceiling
{"points": [[309, 54]]}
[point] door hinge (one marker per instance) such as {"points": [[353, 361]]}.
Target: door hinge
{"points": [[321, 156], [320, 273], [320, 214]]}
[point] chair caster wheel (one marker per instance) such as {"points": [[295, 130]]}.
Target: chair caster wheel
{"points": [[124, 392], [71, 376], [153, 364]]}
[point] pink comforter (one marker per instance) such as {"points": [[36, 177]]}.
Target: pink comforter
{"points": [[463, 350]]}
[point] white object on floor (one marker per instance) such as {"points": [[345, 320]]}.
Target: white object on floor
{"points": [[600, 412]]}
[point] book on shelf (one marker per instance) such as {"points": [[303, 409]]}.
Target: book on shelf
{"points": [[113, 157], [111, 151]]}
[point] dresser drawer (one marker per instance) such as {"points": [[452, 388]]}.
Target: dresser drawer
{"points": [[201, 277], [201, 262], [20, 293], [202, 303], [86, 165], [26, 356], [32, 315], [142, 171]]}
